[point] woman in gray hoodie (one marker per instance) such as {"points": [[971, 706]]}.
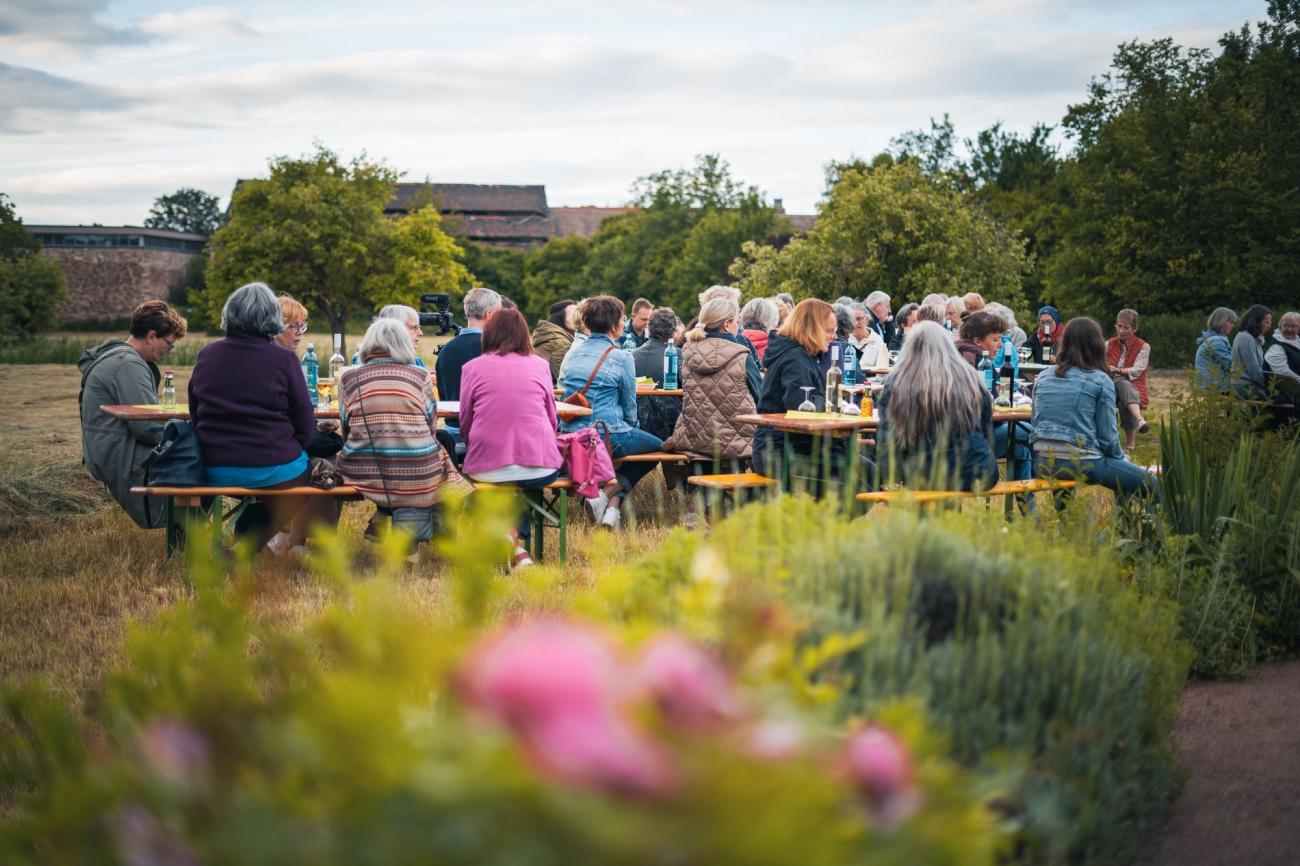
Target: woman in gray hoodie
{"points": [[125, 371]]}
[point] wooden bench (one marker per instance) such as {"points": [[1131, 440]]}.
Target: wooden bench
{"points": [[182, 504], [653, 457], [547, 506], [1002, 488], [716, 487]]}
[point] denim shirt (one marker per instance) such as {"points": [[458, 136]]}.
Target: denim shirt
{"points": [[612, 393], [1213, 360], [1078, 408]]}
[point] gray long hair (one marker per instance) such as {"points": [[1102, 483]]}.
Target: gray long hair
{"points": [[932, 388], [253, 309], [390, 337], [1220, 317]]}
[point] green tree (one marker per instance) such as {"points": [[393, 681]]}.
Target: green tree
{"points": [[552, 272], [892, 228], [421, 258], [1183, 192], [499, 268], [31, 286], [186, 210], [693, 222], [315, 228]]}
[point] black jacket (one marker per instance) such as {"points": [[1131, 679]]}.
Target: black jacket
{"points": [[789, 368], [458, 352]]}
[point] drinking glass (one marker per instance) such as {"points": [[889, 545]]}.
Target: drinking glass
{"points": [[1025, 352], [807, 405]]}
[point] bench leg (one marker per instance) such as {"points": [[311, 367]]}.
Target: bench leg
{"points": [[175, 532], [564, 525]]}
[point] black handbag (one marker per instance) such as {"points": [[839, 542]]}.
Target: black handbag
{"points": [[177, 460]]}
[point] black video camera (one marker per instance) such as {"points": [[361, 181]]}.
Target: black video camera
{"points": [[439, 316]]}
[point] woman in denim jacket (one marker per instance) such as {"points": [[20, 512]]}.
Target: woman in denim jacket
{"points": [[612, 394], [1214, 352], [1076, 432]]}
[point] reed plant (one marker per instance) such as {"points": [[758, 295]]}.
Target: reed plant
{"points": [[68, 350]]}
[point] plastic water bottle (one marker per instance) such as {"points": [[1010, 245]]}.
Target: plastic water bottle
{"points": [[629, 343], [356, 356], [985, 368], [311, 371], [850, 365], [671, 356], [169, 390]]}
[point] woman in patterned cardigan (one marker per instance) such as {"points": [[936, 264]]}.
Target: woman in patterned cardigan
{"points": [[389, 416]]}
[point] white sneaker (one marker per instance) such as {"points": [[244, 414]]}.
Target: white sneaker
{"points": [[279, 544], [611, 518], [598, 505]]}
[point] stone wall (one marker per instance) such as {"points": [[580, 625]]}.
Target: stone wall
{"points": [[109, 282]]}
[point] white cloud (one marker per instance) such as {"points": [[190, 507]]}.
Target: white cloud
{"points": [[583, 108]]}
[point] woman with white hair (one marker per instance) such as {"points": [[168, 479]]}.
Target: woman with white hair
{"points": [[390, 451], [719, 381], [954, 311], [936, 417], [253, 416], [410, 319]]}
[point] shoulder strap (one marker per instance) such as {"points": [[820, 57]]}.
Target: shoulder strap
{"points": [[594, 371]]}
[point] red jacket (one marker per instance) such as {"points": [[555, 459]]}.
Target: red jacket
{"points": [[759, 339], [1138, 355]]}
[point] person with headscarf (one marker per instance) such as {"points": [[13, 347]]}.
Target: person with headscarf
{"points": [[1043, 341]]}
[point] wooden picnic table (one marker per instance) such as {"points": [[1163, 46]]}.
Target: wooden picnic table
{"points": [[155, 411]]}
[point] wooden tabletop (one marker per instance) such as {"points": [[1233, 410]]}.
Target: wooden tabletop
{"points": [[833, 424], [844, 424], [641, 391], [446, 409]]}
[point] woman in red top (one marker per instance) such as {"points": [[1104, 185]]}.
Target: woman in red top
{"points": [[1127, 358]]}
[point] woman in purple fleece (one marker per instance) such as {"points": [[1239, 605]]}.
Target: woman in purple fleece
{"points": [[252, 414]]}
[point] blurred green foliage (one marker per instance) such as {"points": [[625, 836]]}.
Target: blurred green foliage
{"points": [[225, 738], [1024, 641]]}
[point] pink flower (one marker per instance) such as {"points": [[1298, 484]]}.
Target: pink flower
{"points": [[600, 749], [539, 669], [555, 685], [776, 739], [878, 764], [689, 685]]}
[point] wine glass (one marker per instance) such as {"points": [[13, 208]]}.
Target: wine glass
{"points": [[1025, 352], [807, 405]]}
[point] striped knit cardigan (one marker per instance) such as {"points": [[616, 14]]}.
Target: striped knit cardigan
{"points": [[390, 454]]}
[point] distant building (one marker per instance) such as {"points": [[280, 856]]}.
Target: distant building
{"points": [[111, 270]]}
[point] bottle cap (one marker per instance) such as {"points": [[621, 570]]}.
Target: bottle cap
{"points": [[169, 372]]}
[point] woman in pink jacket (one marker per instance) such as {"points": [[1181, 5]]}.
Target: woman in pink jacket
{"points": [[507, 415]]}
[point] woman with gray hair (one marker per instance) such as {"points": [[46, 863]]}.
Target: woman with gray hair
{"points": [[936, 418], [1005, 313], [253, 416], [390, 451], [410, 319], [758, 319], [1214, 352]]}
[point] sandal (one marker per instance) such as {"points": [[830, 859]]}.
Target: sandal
{"points": [[1144, 427]]}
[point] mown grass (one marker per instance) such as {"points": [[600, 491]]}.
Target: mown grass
{"points": [[75, 569]]}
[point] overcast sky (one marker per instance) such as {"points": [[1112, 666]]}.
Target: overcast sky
{"points": [[106, 105]]}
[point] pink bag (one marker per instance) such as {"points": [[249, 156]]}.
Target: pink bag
{"points": [[586, 460]]}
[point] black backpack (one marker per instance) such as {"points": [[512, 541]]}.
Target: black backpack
{"points": [[177, 459]]}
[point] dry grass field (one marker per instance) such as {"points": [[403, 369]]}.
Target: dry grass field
{"points": [[74, 570]]}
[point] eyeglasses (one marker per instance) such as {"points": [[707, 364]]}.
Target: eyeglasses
{"points": [[171, 343], [297, 328]]}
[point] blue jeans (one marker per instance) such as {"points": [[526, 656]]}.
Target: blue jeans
{"points": [[1024, 457], [524, 526], [1121, 476], [630, 442]]}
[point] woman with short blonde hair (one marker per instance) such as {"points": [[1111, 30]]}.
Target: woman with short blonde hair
{"points": [[295, 323], [811, 324]]}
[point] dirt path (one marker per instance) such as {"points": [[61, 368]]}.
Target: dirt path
{"points": [[1240, 742]]}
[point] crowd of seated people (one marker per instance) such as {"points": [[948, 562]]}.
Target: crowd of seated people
{"points": [[255, 423]]}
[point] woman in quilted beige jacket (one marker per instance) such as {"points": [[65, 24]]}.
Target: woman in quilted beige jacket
{"points": [[720, 380]]}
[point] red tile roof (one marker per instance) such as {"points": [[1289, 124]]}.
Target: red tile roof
{"points": [[582, 221]]}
